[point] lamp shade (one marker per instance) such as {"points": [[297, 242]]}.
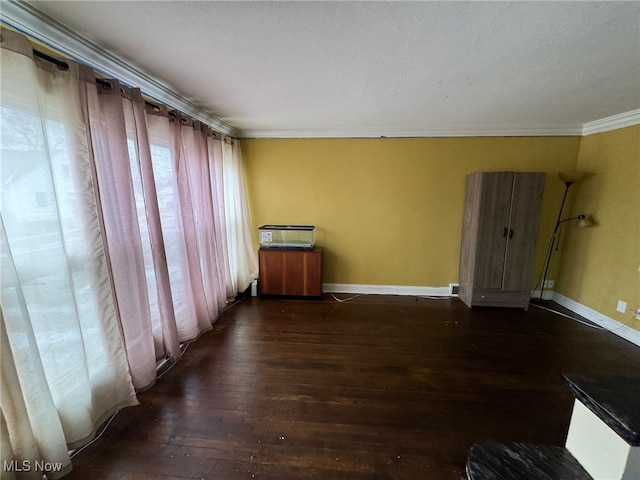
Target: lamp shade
{"points": [[571, 177]]}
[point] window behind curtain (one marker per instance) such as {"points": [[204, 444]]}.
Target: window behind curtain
{"points": [[64, 370]]}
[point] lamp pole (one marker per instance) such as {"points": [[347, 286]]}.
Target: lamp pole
{"points": [[567, 184], [569, 178]]}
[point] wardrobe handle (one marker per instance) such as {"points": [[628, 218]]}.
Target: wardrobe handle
{"points": [[510, 234], [504, 232]]}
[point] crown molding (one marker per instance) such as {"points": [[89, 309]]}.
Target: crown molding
{"points": [[33, 23], [464, 131], [613, 122]]}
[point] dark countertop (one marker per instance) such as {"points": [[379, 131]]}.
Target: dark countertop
{"points": [[615, 400], [516, 461]]}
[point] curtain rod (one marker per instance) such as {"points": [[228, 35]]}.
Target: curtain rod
{"points": [[106, 84], [62, 65], [172, 113], [59, 63]]}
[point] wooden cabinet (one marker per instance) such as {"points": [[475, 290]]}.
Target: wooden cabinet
{"points": [[290, 272], [499, 237]]}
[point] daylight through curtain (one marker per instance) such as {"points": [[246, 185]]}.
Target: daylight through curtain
{"points": [[242, 257], [124, 231], [162, 229], [64, 369]]}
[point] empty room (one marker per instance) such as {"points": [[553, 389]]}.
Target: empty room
{"points": [[338, 240]]}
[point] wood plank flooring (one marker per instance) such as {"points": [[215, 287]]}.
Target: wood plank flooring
{"points": [[378, 387]]}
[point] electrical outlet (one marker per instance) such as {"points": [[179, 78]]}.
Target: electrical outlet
{"points": [[622, 306], [549, 283], [638, 314]]}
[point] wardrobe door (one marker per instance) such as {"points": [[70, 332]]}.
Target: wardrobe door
{"points": [[468, 246], [495, 203], [524, 220]]}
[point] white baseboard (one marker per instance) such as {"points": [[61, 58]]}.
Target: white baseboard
{"points": [[548, 294], [610, 324], [385, 289]]}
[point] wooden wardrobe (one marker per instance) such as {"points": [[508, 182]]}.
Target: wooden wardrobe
{"points": [[499, 238]]}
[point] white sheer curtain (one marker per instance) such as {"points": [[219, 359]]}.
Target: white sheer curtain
{"points": [[242, 256], [64, 367], [216, 177]]}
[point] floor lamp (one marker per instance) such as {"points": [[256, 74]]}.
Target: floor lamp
{"points": [[569, 178]]}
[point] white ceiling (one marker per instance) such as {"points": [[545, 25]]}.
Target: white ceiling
{"points": [[308, 69]]}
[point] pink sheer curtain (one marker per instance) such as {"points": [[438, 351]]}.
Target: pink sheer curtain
{"points": [[178, 226], [184, 152], [123, 242], [160, 179], [194, 137], [163, 314]]}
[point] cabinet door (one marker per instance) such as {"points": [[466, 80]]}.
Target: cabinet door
{"points": [[290, 272], [524, 220], [495, 203]]}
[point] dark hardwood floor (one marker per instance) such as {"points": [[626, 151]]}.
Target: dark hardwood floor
{"points": [[378, 387]]}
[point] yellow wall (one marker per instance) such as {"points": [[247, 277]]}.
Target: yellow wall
{"points": [[389, 211], [599, 265]]}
